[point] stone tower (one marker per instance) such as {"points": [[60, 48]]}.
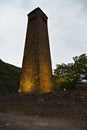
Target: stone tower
{"points": [[36, 73]]}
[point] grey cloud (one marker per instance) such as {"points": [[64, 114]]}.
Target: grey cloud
{"points": [[83, 3], [67, 28], [25, 4]]}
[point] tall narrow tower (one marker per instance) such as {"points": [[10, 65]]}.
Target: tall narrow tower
{"points": [[36, 73]]}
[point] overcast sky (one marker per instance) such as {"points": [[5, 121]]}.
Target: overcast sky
{"points": [[67, 26]]}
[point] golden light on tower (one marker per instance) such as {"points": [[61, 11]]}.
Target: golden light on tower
{"points": [[36, 73]]}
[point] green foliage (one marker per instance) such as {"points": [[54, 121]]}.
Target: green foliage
{"points": [[69, 75], [63, 83], [9, 78], [80, 65]]}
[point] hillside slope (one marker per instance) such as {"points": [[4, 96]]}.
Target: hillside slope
{"points": [[9, 78]]}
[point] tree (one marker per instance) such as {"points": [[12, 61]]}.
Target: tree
{"points": [[65, 77], [80, 66], [69, 75]]}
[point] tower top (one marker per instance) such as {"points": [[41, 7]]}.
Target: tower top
{"points": [[38, 13]]}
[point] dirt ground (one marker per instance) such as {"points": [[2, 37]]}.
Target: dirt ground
{"points": [[62, 110], [15, 122], [68, 105]]}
